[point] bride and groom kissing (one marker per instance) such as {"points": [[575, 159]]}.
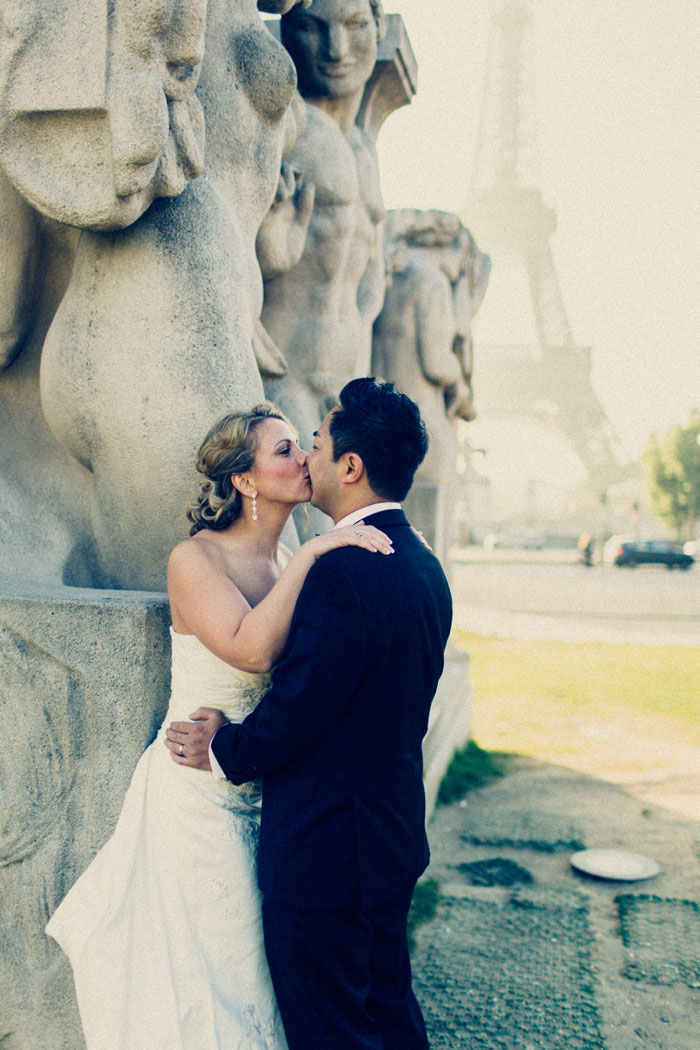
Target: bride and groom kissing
{"points": [[209, 921]]}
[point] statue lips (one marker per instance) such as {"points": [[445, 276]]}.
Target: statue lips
{"points": [[333, 70]]}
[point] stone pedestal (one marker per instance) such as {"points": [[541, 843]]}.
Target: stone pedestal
{"points": [[450, 722], [430, 509], [84, 687]]}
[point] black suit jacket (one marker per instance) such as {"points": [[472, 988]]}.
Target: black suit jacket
{"points": [[338, 736]]}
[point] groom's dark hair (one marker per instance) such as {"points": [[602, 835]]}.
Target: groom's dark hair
{"points": [[386, 431]]}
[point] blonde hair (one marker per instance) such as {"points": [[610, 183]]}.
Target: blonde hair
{"points": [[229, 448]]}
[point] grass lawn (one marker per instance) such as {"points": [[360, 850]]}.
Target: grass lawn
{"points": [[617, 711]]}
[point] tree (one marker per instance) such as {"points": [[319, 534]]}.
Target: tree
{"points": [[672, 466]]}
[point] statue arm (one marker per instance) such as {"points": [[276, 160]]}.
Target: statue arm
{"points": [[373, 283], [282, 235], [17, 263], [480, 273], [268, 356], [435, 331]]}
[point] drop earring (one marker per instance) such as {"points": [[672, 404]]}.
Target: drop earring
{"points": [[255, 507]]}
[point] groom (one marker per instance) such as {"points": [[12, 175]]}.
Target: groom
{"points": [[338, 740]]}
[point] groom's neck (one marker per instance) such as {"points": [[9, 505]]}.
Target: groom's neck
{"points": [[349, 506]]}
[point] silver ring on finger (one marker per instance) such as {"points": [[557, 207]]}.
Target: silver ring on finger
{"points": [[181, 751]]}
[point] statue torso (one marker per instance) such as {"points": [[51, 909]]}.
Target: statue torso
{"points": [[314, 305]]}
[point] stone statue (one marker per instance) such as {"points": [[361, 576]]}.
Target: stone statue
{"points": [[150, 325], [422, 342], [93, 126], [319, 311]]}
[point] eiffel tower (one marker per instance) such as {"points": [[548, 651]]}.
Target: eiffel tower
{"points": [[547, 381]]}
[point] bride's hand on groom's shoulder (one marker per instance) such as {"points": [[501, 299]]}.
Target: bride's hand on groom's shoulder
{"points": [[188, 742], [358, 535]]}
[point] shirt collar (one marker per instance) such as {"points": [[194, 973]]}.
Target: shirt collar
{"points": [[364, 512]]}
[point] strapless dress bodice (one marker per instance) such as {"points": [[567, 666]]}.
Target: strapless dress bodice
{"points": [[201, 679], [198, 678]]}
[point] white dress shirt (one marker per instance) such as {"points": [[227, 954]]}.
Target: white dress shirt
{"points": [[364, 512], [349, 519]]}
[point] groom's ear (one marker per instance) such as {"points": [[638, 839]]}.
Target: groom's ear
{"points": [[351, 468]]}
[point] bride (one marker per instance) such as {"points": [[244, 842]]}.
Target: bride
{"points": [[163, 929]]}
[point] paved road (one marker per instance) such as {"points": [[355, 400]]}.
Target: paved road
{"points": [[535, 598]]}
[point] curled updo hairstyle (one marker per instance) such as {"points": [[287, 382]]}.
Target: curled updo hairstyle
{"points": [[229, 448]]}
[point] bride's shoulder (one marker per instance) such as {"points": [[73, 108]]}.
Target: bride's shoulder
{"points": [[197, 553]]}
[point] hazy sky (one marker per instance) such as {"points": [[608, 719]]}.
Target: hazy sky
{"points": [[618, 115]]}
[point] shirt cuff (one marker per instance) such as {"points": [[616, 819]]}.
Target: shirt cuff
{"points": [[215, 767]]}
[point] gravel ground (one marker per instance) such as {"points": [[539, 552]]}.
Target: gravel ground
{"points": [[526, 954]]}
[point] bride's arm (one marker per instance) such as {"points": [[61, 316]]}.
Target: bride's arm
{"points": [[213, 608]]}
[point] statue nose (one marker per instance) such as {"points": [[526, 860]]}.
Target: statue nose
{"points": [[337, 42], [185, 33]]}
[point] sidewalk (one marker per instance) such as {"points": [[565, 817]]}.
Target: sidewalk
{"points": [[526, 954]]}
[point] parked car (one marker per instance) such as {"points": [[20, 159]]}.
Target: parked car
{"points": [[647, 552]]}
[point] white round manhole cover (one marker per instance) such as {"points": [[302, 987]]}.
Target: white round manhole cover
{"points": [[614, 864]]}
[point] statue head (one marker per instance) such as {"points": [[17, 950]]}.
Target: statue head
{"points": [[97, 112], [334, 45], [430, 231]]}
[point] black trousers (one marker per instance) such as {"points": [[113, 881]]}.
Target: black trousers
{"points": [[342, 977]]}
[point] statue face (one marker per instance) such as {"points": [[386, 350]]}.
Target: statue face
{"points": [[334, 47], [94, 150], [156, 54]]}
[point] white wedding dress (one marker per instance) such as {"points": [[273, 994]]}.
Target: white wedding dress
{"points": [[163, 929]]}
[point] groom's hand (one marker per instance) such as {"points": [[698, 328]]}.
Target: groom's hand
{"points": [[188, 742]]}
